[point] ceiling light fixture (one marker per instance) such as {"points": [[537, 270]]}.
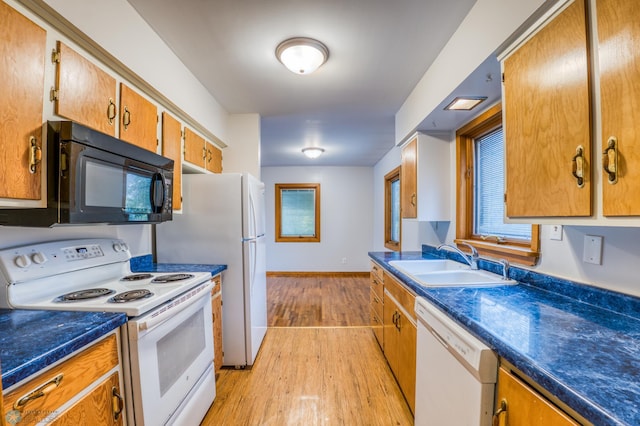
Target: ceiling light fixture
{"points": [[312, 151], [302, 55], [466, 103]]}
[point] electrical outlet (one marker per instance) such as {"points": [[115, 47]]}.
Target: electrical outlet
{"points": [[592, 249], [556, 233], [344, 261]]}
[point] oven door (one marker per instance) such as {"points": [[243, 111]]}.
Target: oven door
{"points": [[170, 350]]}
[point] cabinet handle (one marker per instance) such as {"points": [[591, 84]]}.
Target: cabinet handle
{"points": [[413, 200], [578, 166], [610, 160], [498, 415], [35, 154], [204, 153], [111, 111], [39, 392], [117, 403], [126, 117], [209, 155]]}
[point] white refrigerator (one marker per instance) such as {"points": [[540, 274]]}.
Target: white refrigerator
{"points": [[222, 222]]}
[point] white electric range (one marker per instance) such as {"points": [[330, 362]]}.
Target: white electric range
{"points": [[167, 342]]}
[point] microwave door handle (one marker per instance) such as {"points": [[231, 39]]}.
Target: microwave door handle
{"points": [[158, 186]]}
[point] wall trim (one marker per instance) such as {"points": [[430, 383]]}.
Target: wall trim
{"points": [[311, 274]]}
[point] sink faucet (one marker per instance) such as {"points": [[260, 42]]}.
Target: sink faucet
{"points": [[505, 268], [471, 259]]}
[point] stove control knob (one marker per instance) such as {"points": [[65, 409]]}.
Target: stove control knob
{"points": [[117, 247], [39, 258], [22, 261]]}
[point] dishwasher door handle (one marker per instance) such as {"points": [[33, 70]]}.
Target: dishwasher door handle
{"points": [[438, 337]]}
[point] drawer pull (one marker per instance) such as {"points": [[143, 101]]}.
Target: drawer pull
{"points": [[610, 160], [39, 392], [116, 402]]}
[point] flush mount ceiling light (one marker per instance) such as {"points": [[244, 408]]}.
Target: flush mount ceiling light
{"points": [[312, 151], [302, 55], [466, 103]]}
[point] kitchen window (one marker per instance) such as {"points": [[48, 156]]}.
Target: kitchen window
{"points": [[480, 217], [298, 212], [392, 210]]}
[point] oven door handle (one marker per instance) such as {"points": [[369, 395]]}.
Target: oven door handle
{"points": [[179, 304]]}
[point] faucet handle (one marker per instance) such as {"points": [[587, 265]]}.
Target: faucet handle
{"points": [[505, 268]]}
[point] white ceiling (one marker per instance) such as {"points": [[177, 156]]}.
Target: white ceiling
{"points": [[379, 49]]}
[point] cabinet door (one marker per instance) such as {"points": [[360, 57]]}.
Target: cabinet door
{"points": [[214, 158], [172, 148], [86, 93], [619, 38], [390, 334], [407, 360], [102, 406], [525, 406], [216, 308], [138, 119], [409, 180], [194, 148], [22, 64], [547, 120]]}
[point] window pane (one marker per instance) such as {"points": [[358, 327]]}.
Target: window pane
{"points": [[395, 210], [489, 191], [298, 214]]}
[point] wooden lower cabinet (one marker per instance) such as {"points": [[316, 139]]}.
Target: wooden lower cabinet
{"points": [[101, 406], [400, 335], [77, 384], [216, 308], [523, 406]]}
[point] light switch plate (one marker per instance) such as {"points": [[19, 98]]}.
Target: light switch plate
{"points": [[556, 232], [592, 249]]}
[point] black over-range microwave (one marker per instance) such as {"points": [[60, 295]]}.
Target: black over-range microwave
{"points": [[94, 178]]}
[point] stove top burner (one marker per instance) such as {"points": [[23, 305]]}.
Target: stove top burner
{"points": [[90, 293], [136, 277], [171, 278], [129, 296]]}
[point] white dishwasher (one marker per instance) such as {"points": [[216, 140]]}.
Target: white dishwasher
{"points": [[455, 372]]}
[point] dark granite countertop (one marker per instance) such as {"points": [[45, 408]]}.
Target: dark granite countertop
{"points": [[32, 340], [580, 343]]}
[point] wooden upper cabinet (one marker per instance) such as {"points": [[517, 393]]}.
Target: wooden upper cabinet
{"points": [[138, 119], [22, 67], [214, 158], [547, 120], [409, 180], [201, 153], [618, 41], [194, 148], [172, 148], [85, 93]]}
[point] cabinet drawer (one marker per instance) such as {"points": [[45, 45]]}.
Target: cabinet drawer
{"points": [[377, 285], [376, 303], [376, 270], [77, 373], [401, 294]]}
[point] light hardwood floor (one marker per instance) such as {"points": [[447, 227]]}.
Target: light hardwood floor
{"points": [[324, 367]]}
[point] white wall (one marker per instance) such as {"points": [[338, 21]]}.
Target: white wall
{"points": [[346, 220]]}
